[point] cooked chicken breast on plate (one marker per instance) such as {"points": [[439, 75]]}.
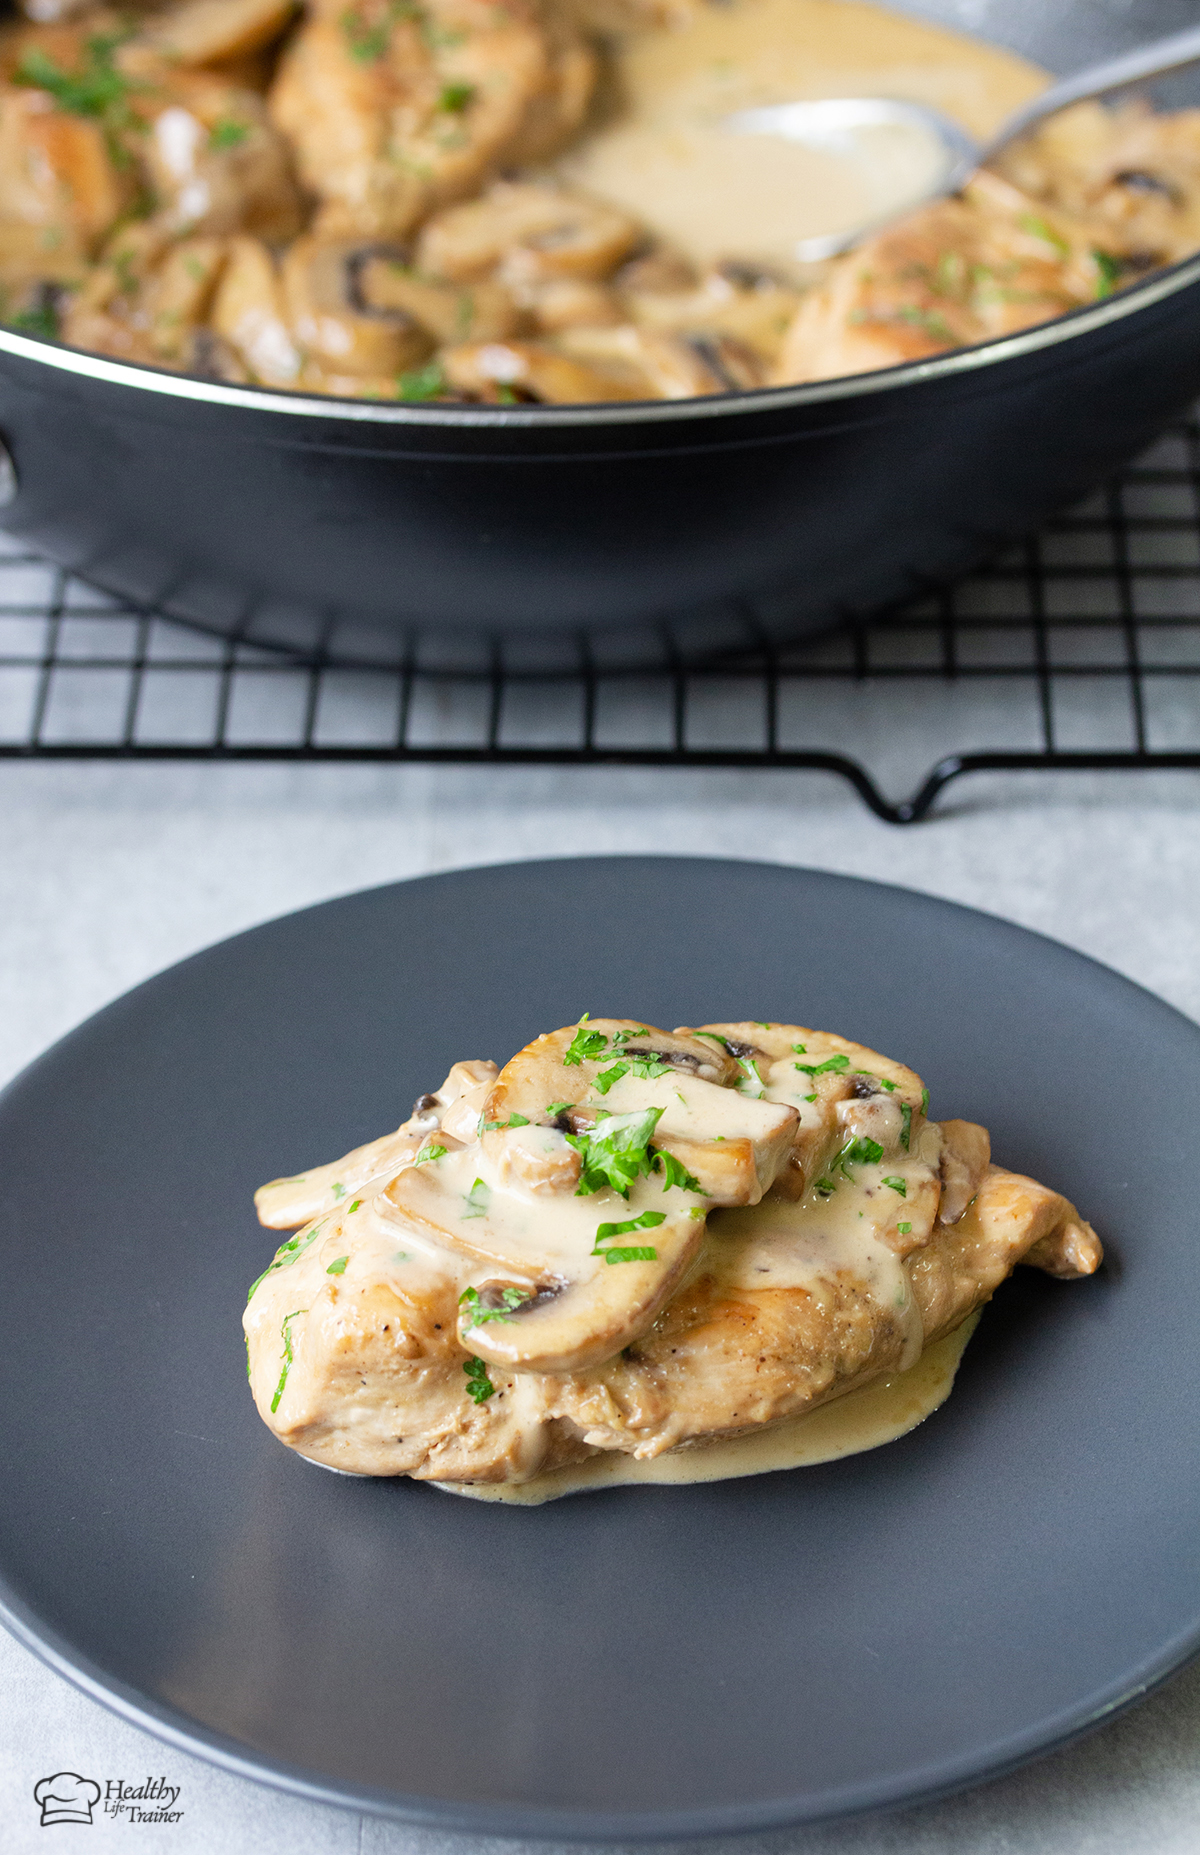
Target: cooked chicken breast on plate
{"points": [[631, 1241]]}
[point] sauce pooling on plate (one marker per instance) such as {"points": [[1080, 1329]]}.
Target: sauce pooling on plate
{"points": [[862, 1420]]}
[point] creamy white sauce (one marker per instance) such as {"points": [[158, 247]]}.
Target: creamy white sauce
{"points": [[663, 154], [862, 1420]]}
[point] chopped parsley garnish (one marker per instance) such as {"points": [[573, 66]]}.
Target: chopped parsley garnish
{"points": [[760, 1024], [862, 1151], [696, 1211], [1111, 271], [752, 1083], [897, 1184], [429, 1150], [356, 1206], [514, 1120], [478, 1199], [1041, 228], [422, 383], [479, 1386], [715, 1037], [518, 1120], [286, 1331], [228, 133], [289, 1252], [585, 1045], [904, 1229], [510, 1300], [616, 1152], [455, 98], [649, 1220], [831, 1066], [924, 1101], [558, 1107], [810, 1098], [607, 1077], [338, 1267], [882, 1080], [338, 1190], [826, 1187], [906, 1130], [42, 320], [801, 1049], [675, 1173]]}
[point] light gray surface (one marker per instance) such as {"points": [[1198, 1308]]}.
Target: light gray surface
{"points": [[107, 875]]}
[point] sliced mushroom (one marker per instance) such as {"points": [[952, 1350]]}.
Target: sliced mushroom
{"points": [[733, 1146], [966, 1156], [527, 232], [577, 1292], [329, 322], [674, 366], [479, 312], [214, 161], [250, 313], [511, 370], [285, 1203]]}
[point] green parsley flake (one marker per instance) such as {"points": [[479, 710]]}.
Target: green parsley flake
{"points": [[616, 1152], [607, 1077], [649, 1220], [924, 1101], [338, 1190], [42, 320], [675, 1173], [228, 134], [558, 1107], [338, 1267], [752, 1084], [286, 1331], [479, 1386], [429, 1150], [455, 98], [801, 1049], [478, 1199], [289, 1252], [832, 1065], [422, 383], [906, 1130], [897, 1184], [1041, 228], [904, 1229], [585, 1046], [356, 1206], [862, 1151], [826, 1187], [510, 1300]]}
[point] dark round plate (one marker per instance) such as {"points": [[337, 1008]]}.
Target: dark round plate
{"points": [[638, 1662]]}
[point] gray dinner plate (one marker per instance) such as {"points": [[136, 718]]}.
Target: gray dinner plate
{"points": [[637, 1662]]}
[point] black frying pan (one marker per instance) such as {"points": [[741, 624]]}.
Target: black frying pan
{"points": [[366, 528]]}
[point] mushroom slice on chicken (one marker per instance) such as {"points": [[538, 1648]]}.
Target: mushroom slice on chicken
{"points": [[505, 371], [250, 313], [282, 1204], [841, 1092], [565, 1280], [330, 321], [214, 161], [728, 1145], [527, 232], [470, 313], [148, 298]]}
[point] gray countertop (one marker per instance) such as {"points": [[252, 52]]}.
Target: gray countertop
{"points": [[109, 873]]}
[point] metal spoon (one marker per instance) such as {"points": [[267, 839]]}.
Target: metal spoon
{"points": [[831, 123]]}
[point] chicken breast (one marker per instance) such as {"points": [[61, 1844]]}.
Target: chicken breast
{"points": [[483, 1315]]}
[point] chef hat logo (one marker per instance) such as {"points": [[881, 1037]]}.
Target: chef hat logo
{"points": [[66, 1798]]}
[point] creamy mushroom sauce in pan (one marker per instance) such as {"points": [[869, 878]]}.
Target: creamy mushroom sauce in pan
{"points": [[533, 201], [634, 1254]]}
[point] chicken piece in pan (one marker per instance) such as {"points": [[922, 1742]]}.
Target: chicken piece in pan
{"points": [[631, 1241]]}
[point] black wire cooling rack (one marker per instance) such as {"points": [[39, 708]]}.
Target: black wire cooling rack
{"points": [[1077, 649]]}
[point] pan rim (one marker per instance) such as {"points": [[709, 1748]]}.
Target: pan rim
{"points": [[957, 362]]}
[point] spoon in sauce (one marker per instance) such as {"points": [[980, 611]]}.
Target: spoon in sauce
{"points": [[941, 151]]}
